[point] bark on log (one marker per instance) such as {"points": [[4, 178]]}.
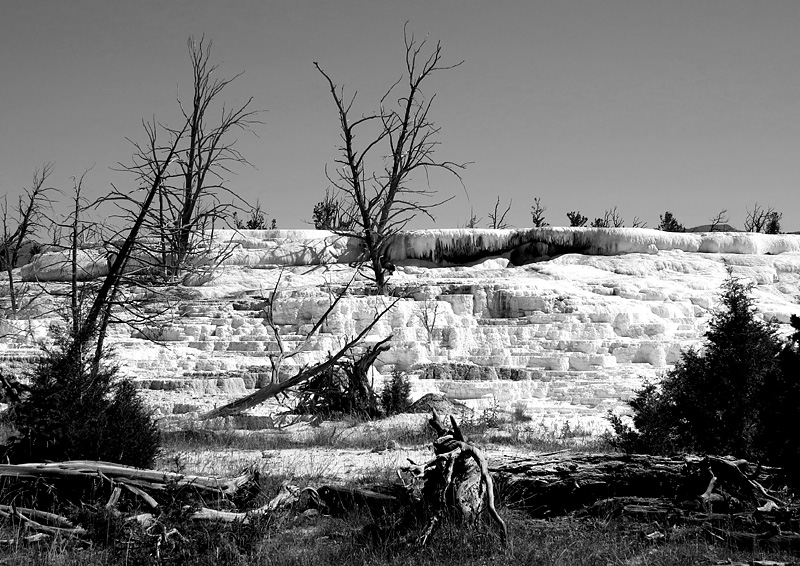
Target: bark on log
{"points": [[127, 475], [562, 483], [725, 498]]}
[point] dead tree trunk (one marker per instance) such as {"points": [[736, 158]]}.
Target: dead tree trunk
{"points": [[457, 481], [724, 499]]}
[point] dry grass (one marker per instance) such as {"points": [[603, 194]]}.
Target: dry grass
{"points": [[317, 455], [322, 541]]}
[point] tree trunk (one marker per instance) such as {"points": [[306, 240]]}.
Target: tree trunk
{"points": [[456, 482]]}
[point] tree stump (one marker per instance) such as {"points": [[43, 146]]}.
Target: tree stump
{"points": [[456, 482]]}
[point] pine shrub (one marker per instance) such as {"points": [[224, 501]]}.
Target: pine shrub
{"points": [[395, 395], [69, 412], [738, 396]]}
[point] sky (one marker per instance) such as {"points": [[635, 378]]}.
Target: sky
{"points": [[691, 106]]}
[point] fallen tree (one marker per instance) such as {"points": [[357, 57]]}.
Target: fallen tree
{"points": [[725, 499], [343, 358]]}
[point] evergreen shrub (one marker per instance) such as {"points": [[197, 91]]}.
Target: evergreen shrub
{"points": [[66, 411], [739, 396]]}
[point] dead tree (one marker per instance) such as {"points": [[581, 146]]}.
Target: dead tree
{"points": [[638, 223], [758, 219], [498, 217], [342, 358], [473, 220], [344, 388], [380, 200], [611, 219], [192, 187], [93, 324], [720, 218], [456, 482], [22, 222]]}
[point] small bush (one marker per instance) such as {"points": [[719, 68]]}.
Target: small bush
{"points": [[395, 395], [69, 412]]}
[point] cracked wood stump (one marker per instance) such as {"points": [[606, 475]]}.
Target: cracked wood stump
{"points": [[456, 482]]}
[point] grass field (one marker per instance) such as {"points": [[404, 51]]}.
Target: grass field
{"points": [[289, 538]]}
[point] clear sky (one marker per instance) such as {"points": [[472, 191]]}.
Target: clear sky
{"points": [[648, 105]]}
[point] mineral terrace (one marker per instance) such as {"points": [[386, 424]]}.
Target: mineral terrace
{"points": [[561, 323]]}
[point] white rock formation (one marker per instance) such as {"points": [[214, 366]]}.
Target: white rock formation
{"points": [[568, 337]]}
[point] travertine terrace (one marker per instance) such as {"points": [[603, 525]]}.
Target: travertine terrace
{"points": [[560, 323]]}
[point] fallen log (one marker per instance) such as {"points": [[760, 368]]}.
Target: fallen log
{"points": [[562, 483], [723, 497], [126, 475]]}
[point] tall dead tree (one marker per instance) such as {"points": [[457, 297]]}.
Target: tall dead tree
{"points": [[21, 222], [192, 192], [380, 199]]}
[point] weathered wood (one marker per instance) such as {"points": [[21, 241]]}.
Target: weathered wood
{"points": [[562, 483], [457, 481], [136, 477], [724, 498]]}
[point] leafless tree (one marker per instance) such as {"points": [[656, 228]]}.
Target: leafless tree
{"points": [[93, 324], [720, 218], [537, 213], [427, 316], [638, 223], [613, 219], [192, 193], [379, 199], [355, 367], [21, 222], [760, 219], [498, 218], [576, 219]]}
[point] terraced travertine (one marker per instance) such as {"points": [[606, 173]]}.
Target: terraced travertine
{"points": [[568, 338]]}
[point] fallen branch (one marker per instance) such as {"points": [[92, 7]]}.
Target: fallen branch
{"points": [[125, 475], [273, 389]]}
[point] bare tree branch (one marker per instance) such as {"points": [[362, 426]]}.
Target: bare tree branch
{"points": [[720, 218], [379, 199], [498, 218]]}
